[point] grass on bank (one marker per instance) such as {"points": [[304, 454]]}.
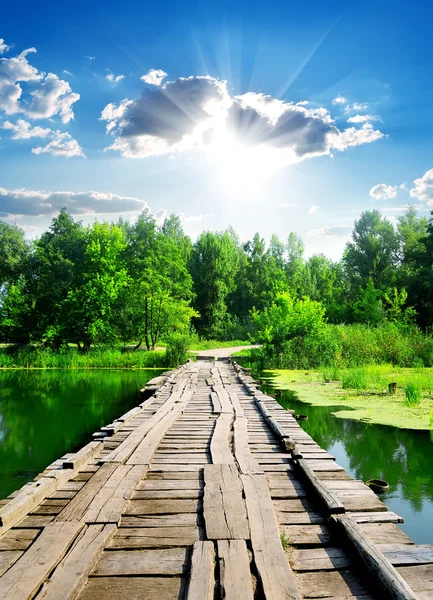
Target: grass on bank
{"points": [[362, 393], [70, 358]]}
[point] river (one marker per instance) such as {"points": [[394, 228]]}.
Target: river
{"points": [[45, 414], [402, 457]]}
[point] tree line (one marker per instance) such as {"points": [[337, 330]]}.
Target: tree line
{"points": [[141, 282]]}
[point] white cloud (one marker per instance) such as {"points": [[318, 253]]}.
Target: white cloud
{"points": [[382, 191], [114, 78], [332, 231], [3, 46], [359, 106], [45, 95], [355, 137], [423, 188], [89, 57], [363, 118], [61, 145], [22, 130], [403, 186], [154, 76], [313, 209], [23, 202], [198, 112], [339, 100]]}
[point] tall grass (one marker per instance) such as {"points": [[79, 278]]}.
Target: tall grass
{"points": [[348, 346], [413, 394], [70, 358]]}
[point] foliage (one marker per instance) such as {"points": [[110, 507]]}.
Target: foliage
{"points": [[177, 349], [70, 358], [413, 394]]}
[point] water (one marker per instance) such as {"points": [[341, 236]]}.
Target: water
{"points": [[404, 458], [44, 414]]}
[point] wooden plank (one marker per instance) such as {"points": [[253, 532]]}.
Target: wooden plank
{"points": [[109, 503], [28, 498], [420, 578], [7, 559], [201, 582], [235, 573], [333, 585], [146, 449], [307, 535], [82, 457], [168, 484], [162, 507], [375, 517], [404, 554], [24, 578], [246, 461], [128, 538], [224, 399], [165, 561], [320, 559], [78, 506], [133, 588], [223, 505], [171, 520], [273, 568], [219, 446], [332, 504], [71, 573], [216, 404], [234, 399], [18, 539], [385, 533], [127, 447], [379, 566]]}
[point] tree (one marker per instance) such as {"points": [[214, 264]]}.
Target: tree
{"points": [[373, 252], [157, 301], [214, 265], [14, 252], [368, 307], [90, 305], [295, 262]]}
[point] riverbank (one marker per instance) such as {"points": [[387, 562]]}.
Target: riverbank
{"points": [[362, 394]]}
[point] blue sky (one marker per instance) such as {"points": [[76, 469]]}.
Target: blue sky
{"points": [[270, 117]]}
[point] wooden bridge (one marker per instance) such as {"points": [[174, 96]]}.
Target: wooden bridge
{"points": [[208, 489]]}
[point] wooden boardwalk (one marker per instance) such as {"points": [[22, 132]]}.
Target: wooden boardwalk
{"points": [[207, 490]]}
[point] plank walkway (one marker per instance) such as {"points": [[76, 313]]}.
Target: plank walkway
{"points": [[209, 489]]}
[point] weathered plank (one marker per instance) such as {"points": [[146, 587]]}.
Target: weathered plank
{"points": [[223, 504], [71, 573], [132, 588], [165, 561], [78, 506], [274, 571], [219, 446], [108, 504], [7, 559], [82, 457], [162, 507], [23, 579], [18, 539], [405, 554], [332, 504], [335, 585], [379, 566], [154, 537], [235, 573], [201, 582], [244, 458], [320, 559], [28, 498]]}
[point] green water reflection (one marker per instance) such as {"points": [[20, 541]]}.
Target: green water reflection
{"points": [[404, 458], [44, 414]]}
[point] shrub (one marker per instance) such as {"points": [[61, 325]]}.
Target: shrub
{"points": [[413, 394], [177, 349]]}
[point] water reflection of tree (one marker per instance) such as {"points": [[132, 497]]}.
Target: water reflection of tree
{"points": [[44, 414], [401, 457]]}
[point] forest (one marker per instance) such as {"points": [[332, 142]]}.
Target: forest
{"points": [[141, 284]]}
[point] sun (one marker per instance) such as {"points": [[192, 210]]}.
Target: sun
{"points": [[240, 165]]}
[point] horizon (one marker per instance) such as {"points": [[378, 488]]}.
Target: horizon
{"points": [[282, 118]]}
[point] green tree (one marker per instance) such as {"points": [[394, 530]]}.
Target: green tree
{"points": [[214, 265], [14, 252], [373, 253], [157, 301]]}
